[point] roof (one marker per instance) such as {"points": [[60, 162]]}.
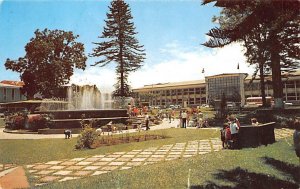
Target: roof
{"points": [[172, 84], [15, 83], [8, 86], [226, 75], [283, 75]]}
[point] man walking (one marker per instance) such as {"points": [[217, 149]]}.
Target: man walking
{"points": [[184, 117], [147, 121]]}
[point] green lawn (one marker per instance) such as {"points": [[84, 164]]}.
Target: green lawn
{"points": [[33, 151], [2, 122], [274, 166]]}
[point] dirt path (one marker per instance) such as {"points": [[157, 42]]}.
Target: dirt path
{"points": [[15, 178]]}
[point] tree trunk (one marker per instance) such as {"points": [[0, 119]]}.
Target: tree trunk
{"points": [[262, 84], [276, 75]]}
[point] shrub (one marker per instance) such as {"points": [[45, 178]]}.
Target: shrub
{"points": [[39, 121], [15, 121], [86, 138]]}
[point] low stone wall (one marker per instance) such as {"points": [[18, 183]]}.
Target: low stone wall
{"points": [[253, 136]]}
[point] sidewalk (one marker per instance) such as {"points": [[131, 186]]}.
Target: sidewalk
{"points": [[164, 125]]}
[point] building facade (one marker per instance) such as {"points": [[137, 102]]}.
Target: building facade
{"points": [[10, 93], [236, 88]]}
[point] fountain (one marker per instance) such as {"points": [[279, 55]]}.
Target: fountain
{"points": [[84, 103]]}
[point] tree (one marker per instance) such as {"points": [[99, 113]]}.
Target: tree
{"points": [[223, 105], [120, 45], [49, 62], [276, 16]]}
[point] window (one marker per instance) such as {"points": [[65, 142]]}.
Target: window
{"points": [[13, 94], [4, 94]]}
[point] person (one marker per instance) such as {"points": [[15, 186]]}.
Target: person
{"points": [[254, 122], [234, 129], [68, 133], [223, 134], [170, 116], [227, 135], [296, 138], [180, 119], [147, 121], [184, 117]]}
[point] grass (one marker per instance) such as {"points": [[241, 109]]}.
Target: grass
{"points": [[2, 122], [23, 152], [273, 166]]}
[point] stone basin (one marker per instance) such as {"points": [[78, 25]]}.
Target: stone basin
{"points": [[253, 136]]}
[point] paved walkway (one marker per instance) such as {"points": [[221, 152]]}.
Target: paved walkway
{"points": [[100, 164], [165, 125], [76, 168]]}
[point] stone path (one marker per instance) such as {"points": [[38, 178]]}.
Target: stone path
{"points": [[283, 133], [100, 164], [76, 168]]}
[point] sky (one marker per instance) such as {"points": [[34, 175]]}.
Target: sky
{"points": [[171, 31]]}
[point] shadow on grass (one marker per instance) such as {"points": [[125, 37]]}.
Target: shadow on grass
{"points": [[242, 178]]}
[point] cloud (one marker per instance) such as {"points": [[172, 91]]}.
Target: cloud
{"points": [[183, 64], [177, 63]]}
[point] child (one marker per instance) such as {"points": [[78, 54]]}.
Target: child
{"points": [[223, 133], [227, 135]]}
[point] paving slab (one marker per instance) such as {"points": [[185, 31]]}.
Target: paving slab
{"points": [[157, 156], [175, 152], [107, 159], [28, 166], [99, 173], [41, 166], [68, 163], [82, 173], [68, 178], [134, 163], [155, 159], [124, 159], [116, 163], [84, 163], [146, 153], [49, 178], [92, 159], [109, 168], [45, 172], [77, 159], [131, 153], [91, 167], [57, 167], [138, 159], [113, 156], [53, 162], [125, 167], [62, 173], [142, 156], [74, 167], [101, 163], [99, 156]]}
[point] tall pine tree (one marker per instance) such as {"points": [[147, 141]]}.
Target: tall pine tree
{"points": [[119, 45]]}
